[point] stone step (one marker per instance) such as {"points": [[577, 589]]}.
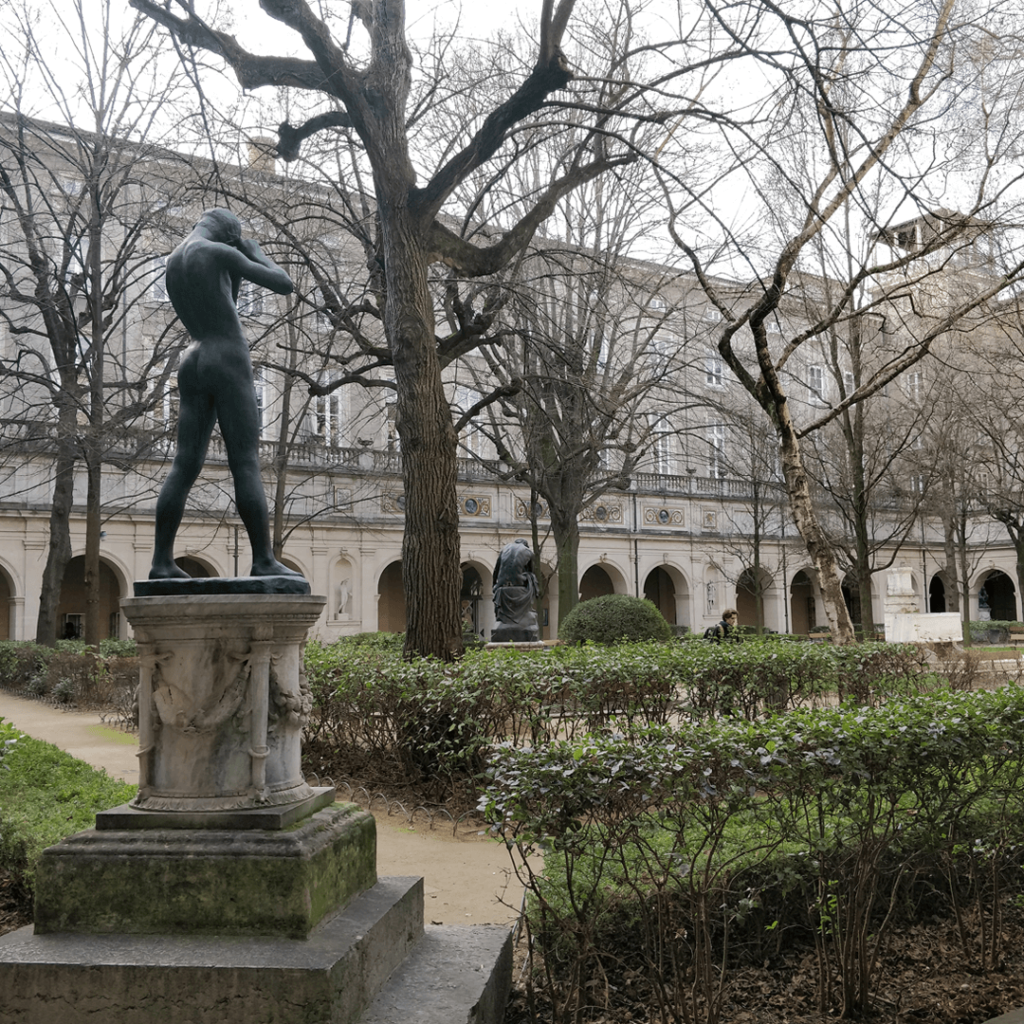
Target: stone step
{"points": [[456, 974], [329, 978]]}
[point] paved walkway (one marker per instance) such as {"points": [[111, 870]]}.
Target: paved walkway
{"points": [[463, 878]]}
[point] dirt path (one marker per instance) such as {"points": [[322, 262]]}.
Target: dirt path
{"points": [[466, 876]]}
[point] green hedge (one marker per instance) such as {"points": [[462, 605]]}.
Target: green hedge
{"points": [[72, 674], [698, 847], [45, 795], [423, 720]]}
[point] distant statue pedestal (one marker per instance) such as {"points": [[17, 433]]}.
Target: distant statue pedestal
{"points": [[229, 888], [906, 624]]}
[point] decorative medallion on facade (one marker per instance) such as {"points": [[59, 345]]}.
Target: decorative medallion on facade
{"points": [[393, 503], [478, 506], [709, 521], [603, 515], [342, 499], [660, 515], [521, 509]]}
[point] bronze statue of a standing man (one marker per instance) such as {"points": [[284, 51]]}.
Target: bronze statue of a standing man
{"points": [[215, 382]]}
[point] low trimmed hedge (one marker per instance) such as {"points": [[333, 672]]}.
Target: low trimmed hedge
{"points": [[682, 853], [72, 674], [45, 795], [426, 720]]}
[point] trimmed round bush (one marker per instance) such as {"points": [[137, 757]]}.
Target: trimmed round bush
{"points": [[615, 618]]}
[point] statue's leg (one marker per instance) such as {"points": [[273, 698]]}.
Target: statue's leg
{"points": [[196, 416], [238, 416]]}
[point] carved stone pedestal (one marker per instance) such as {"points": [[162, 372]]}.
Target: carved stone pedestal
{"points": [[222, 699]]}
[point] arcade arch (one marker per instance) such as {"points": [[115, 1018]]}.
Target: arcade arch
{"points": [[749, 587], [937, 594], [195, 567], [997, 596], [601, 580], [471, 599], [666, 588], [71, 605], [7, 605], [802, 604], [391, 600]]}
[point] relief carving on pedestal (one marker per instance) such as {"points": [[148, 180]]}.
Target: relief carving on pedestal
{"points": [[184, 712]]}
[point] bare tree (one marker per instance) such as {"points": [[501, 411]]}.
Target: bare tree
{"points": [[587, 361], [868, 475], [758, 522], [952, 460], [83, 204], [850, 139], [373, 97]]}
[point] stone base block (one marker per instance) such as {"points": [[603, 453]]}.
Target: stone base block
{"points": [[506, 633], [131, 818], [328, 978], [453, 976], [207, 882], [917, 628]]}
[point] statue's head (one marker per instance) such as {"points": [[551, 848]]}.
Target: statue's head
{"points": [[222, 226]]}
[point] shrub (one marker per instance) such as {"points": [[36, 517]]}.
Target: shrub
{"points": [[614, 619], [21, 662], [989, 631], [113, 648], [677, 853]]}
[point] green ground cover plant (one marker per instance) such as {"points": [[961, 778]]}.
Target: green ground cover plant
{"points": [[677, 853], [45, 795]]}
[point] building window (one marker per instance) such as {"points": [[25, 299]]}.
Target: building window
{"points": [[250, 299], [849, 383], [662, 456], [713, 315], [915, 385], [327, 419], [713, 369], [716, 446], [662, 348], [158, 281], [472, 438], [816, 384], [260, 387]]}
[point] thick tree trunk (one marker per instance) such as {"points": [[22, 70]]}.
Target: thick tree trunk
{"points": [[93, 627], [963, 575], [814, 538], [58, 552], [431, 573], [567, 543], [867, 613]]}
